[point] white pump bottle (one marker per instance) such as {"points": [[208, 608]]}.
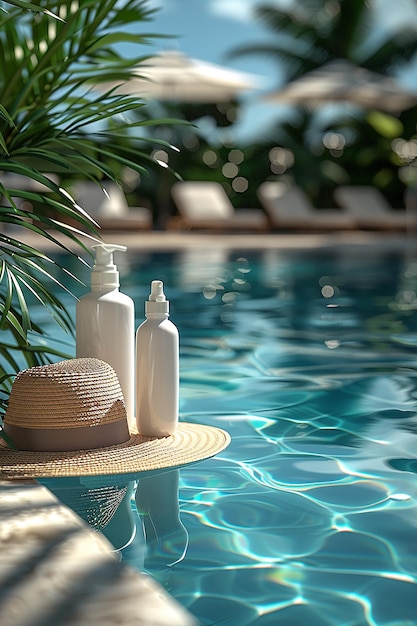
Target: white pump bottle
{"points": [[157, 368], [105, 323]]}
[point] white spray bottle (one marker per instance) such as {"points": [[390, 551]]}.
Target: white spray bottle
{"points": [[157, 368], [105, 323]]}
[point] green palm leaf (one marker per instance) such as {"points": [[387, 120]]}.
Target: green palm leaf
{"points": [[52, 121]]}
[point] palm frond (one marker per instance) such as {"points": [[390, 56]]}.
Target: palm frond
{"points": [[53, 124]]}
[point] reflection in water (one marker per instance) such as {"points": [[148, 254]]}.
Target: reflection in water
{"points": [[103, 502], [94, 499], [154, 524], [122, 527], [309, 517], [158, 507]]}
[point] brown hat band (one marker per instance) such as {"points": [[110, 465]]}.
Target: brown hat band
{"points": [[66, 439]]}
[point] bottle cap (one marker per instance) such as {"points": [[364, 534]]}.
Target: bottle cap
{"points": [[157, 302], [105, 272]]}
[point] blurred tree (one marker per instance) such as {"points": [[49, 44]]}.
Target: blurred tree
{"points": [[186, 132], [313, 32], [308, 35]]}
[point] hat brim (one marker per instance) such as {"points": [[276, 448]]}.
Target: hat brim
{"points": [[189, 443]]}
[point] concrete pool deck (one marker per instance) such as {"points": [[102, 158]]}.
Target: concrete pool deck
{"points": [[56, 571], [172, 240]]}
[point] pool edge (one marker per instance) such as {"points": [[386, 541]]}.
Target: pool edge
{"points": [[55, 567]]}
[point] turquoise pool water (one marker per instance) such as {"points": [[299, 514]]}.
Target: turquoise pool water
{"points": [[309, 518]]}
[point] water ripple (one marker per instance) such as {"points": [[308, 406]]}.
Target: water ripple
{"points": [[308, 359]]}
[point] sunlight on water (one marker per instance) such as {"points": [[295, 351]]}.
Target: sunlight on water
{"points": [[309, 518]]}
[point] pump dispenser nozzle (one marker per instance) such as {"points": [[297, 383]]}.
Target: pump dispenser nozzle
{"points": [[105, 273], [157, 302]]}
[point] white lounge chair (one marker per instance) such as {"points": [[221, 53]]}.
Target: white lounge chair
{"points": [[107, 205], [370, 209], [288, 208], [206, 205]]}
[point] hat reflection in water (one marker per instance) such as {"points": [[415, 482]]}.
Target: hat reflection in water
{"points": [[104, 502], [69, 419], [154, 522]]}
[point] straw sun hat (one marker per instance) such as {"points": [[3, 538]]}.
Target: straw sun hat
{"points": [[69, 419]]}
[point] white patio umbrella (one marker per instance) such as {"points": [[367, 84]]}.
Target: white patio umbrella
{"points": [[343, 82], [172, 76]]}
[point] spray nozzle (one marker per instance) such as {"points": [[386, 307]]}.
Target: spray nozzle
{"points": [[157, 302], [157, 291], [105, 272]]}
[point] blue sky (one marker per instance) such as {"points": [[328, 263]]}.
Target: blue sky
{"points": [[210, 29], [207, 29]]}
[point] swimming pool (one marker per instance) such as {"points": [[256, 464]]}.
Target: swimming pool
{"points": [[308, 359]]}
